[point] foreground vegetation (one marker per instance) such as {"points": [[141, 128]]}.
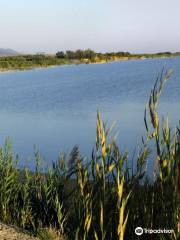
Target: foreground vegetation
{"points": [[23, 62], [103, 198]]}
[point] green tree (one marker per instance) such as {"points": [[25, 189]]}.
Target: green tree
{"points": [[60, 54], [70, 54]]}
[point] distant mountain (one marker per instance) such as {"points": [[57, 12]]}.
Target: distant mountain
{"points": [[8, 52]]}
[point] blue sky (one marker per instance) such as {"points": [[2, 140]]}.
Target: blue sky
{"points": [[102, 25]]}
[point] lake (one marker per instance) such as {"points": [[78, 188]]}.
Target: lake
{"points": [[55, 108]]}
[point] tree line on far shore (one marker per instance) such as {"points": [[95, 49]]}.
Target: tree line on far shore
{"points": [[93, 56], [88, 54]]}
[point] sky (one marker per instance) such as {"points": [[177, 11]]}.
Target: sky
{"points": [[49, 26]]}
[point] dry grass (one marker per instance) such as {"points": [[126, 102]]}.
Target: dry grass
{"points": [[50, 234]]}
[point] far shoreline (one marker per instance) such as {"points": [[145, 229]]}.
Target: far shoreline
{"points": [[81, 62]]}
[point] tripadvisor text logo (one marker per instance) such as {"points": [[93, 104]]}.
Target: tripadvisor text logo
{"points": [[139, 231]]}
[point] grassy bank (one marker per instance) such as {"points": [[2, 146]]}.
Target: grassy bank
{"points": [[103, 198], [25, 62], [30, 62]]}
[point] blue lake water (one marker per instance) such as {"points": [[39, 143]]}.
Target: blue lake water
{"points": [[56, 108]]}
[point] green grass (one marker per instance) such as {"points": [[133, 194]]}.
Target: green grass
{"points": [[101, 198]]}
